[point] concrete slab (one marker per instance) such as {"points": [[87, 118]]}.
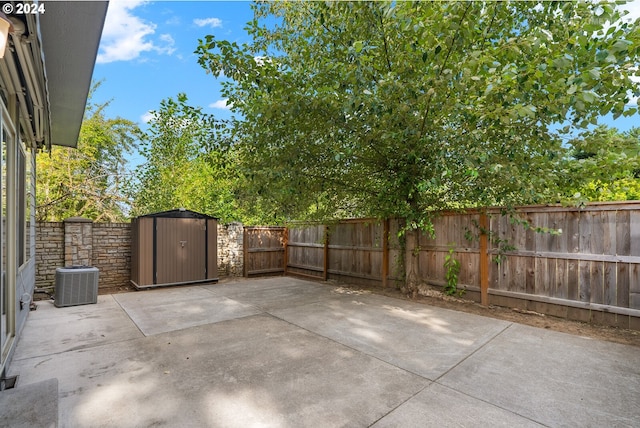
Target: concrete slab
{"points": [[51, 330], [254, 371], [271, 294], [439, 406], [298, 353], [424, 340], [230, 287], [160, 311], [554, 378], [30, 406]]}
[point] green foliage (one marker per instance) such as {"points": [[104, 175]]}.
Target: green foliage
{"points": [[452, 268], [604, 165], [399, 108], [187, 163], [87, 181]]}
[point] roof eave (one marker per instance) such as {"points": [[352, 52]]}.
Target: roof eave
{"points": [[70, 35]]}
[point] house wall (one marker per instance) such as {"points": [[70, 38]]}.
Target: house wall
{"points": [[107, 246]]}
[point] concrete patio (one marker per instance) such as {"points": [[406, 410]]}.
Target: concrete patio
{"points": [[284, 352]]}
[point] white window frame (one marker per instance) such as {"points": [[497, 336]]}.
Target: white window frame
{"points": [[8, 260]]}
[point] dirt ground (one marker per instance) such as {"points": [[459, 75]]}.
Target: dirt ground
{"points": [[437, 298]]}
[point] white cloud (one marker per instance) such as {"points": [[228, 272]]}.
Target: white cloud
{"points": [[147, 117], [126, 36], [174, 20], [208, 22], [221, 104], [169, 46]]}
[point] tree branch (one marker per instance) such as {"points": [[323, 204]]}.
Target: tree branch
{"points": [[444, 63], [386, 47]]}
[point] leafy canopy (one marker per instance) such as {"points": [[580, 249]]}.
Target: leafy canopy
{"points": [[183, 166], [399, 108], [604, 165], [87, 181]]}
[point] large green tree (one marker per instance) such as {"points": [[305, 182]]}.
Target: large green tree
{"points": [[184, 166], [397, 108], [87, 181], [402, 108]]}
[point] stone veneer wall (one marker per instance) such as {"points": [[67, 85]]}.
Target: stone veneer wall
{"points": [[107, 246], [49, 253], [230, 249], [112, 253]]}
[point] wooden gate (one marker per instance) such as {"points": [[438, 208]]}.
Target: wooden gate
{"points": [[264, 251]]}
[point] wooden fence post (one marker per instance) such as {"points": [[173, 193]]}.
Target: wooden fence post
{"points": [[484, 260], [285, 243], [385, 252], [325, 267], [245, 252]]}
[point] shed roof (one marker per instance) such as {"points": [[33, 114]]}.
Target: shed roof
{"points": [[179, 213]]}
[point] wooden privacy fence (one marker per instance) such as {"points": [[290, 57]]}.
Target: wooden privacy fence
{"points": [[264, 249], [353, 251], [589, 270], [357, 251], [593, 261]]}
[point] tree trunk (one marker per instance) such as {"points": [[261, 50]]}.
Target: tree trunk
{"points": [[411, 263]]}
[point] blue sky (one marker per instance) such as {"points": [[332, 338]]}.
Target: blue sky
{"points": [[146, 54]]}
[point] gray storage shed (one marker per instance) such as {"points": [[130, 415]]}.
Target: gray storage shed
{"points": [[173, 248]]}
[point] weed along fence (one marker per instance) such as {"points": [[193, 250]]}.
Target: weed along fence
{"points": [[575, 263]]}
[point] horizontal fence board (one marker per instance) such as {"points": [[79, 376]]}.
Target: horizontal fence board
{"points": [[265, 250], [571, 256], [349, 274], [304, 245], [265, 271], [305, 267], [354, 248]]}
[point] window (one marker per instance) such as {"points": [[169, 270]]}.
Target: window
{"points": [[21, 206], [5, 138]]}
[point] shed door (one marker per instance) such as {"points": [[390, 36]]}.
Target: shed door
{"points": [[180, 250]]}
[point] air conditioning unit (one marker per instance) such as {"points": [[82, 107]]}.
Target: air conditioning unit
{"points": [[76, 285]]}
